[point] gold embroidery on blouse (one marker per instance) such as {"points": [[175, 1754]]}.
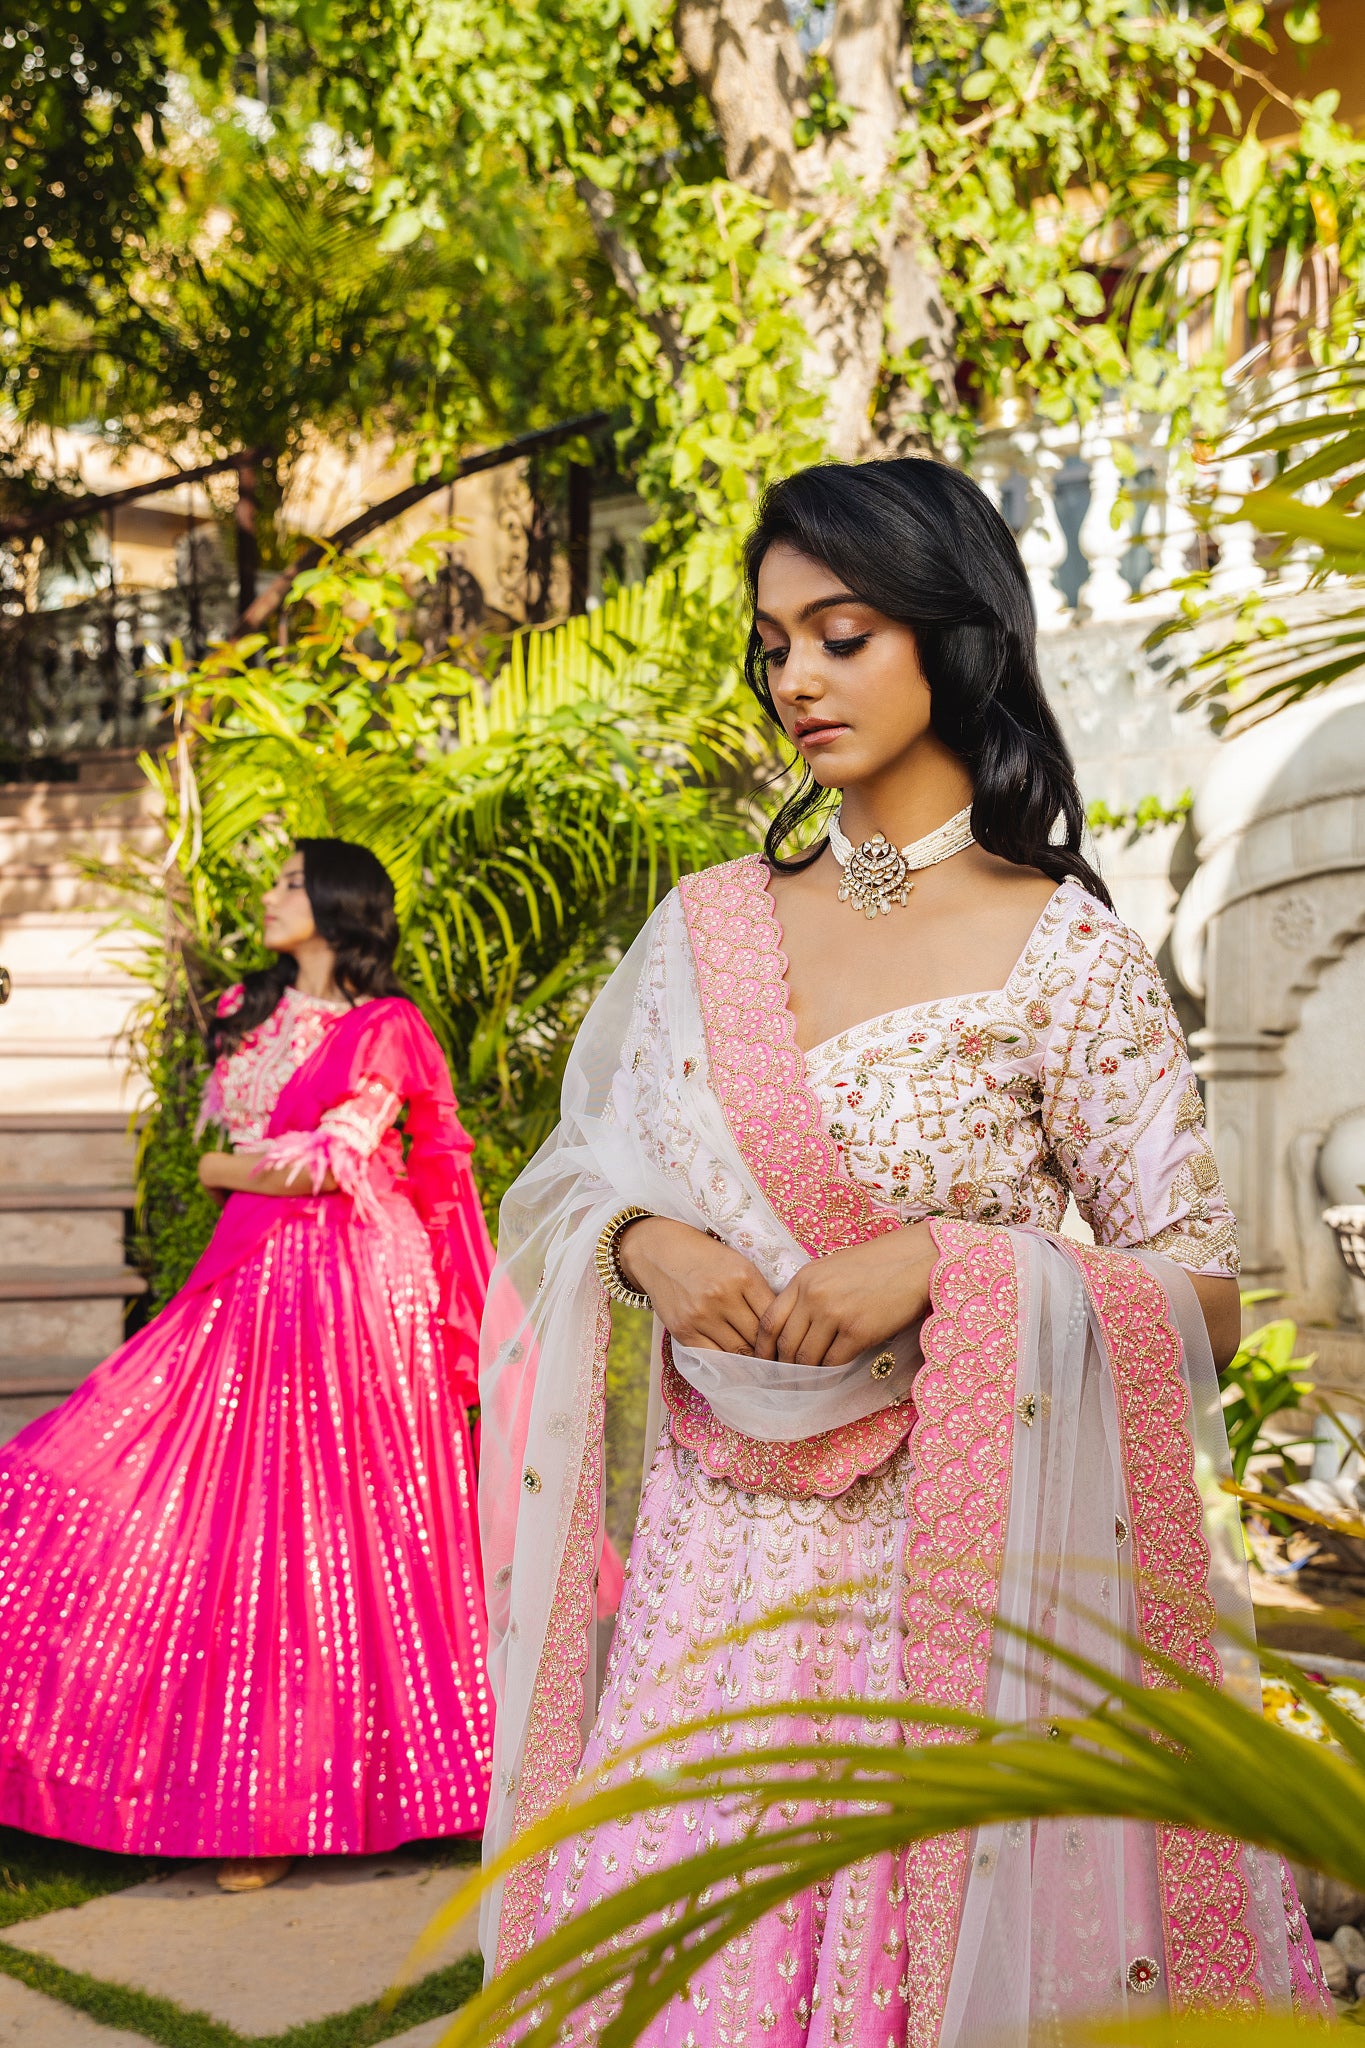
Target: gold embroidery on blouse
{"points": [[997, 1107]]}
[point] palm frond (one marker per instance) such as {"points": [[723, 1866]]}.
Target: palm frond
{"points": [[1251, 654], [1180, 1752]]}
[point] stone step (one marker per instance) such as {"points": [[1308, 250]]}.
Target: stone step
{"points": [[73, 942], [69, 1283], [35, 1043], [50, 1239], [71, 1149], [62, 1328], [74, 805], [59, 889], [102, 989], [71, 978], [40, 849], [95, 1081], [40, 1375]]}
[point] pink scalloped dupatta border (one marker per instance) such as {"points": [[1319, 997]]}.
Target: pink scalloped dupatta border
{"points": [[758, 1075], [961, 1445], [758, 1071], [1212, 1954]]}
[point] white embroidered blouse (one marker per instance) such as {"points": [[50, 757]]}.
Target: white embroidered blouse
{"points": [[246, 1084], [1071, 1079]]}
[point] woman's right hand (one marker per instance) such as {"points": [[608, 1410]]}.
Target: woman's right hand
{"points": [[705, 1295]]}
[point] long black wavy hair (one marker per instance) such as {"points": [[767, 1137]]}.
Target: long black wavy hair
{"points": [[923, 545], [352, 900]]}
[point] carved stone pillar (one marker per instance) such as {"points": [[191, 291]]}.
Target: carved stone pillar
{"points": [[1105, 592], [1175, 550], [1237, 570], [1042, 542]]}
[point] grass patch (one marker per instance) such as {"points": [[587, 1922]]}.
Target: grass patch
{"points": [[39, 1876], [157, 2019]]}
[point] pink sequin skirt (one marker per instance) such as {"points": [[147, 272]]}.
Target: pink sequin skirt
{"points": [[241, 1608], [828, 1967]]}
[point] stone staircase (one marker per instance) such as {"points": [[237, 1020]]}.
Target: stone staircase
{"points": [[67, 1096]]}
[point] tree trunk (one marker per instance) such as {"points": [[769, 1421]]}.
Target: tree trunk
{"points": [[244, 530], [858, 301], [540, 548], [580, 534]]}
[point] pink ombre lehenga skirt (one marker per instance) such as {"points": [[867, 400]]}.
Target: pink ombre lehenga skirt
{"points": [[241, 1608]]}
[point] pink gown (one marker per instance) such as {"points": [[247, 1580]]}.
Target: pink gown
{"points": [[241, 1604]]}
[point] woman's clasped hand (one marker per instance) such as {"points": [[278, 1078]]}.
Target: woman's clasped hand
{"points": [[711, 1298]]}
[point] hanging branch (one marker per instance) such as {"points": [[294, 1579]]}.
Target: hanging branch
{"points": [[23, 525]]}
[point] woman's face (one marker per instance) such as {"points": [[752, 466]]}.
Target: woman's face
{"points": [[846, 680], [288, 920]]}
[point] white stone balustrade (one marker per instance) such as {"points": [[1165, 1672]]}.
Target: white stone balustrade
{"points": [[1087, 567], [1042, 542], [1105, 536]]}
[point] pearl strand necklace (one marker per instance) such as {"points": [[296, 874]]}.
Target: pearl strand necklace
{"points": [[877, 874]]}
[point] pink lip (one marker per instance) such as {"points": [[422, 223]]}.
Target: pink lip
{"points": [[819, 735]]}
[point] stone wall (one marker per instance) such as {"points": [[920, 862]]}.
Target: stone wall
{"points": [[1130, 739]]}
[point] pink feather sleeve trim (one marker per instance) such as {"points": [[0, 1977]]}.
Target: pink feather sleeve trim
{"points": [[212, 1108], [312, 1155]]}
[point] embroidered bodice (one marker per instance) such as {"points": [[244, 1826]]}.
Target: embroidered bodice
{"points": [[1071, 1079], [245, 1084]]}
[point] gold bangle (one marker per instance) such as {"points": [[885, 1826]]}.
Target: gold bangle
{"points": [[608, 1263]]}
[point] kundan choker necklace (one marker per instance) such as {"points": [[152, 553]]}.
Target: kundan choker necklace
{"points": [[877, 874]]}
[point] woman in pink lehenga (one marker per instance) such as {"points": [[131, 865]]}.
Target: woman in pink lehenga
{"points": [[824, 1120], [241, 1605]]}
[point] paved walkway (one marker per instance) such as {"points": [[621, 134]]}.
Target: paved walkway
{"points": [[328, 1941]]}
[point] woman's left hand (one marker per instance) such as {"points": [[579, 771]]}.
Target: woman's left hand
{"points": [[838, 1306], [228, 1173]]}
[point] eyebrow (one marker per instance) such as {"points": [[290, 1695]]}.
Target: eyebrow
{"points": [[808, 611]]}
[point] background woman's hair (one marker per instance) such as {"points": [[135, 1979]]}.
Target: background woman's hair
{"points": [[922, 544], [352, 900]]}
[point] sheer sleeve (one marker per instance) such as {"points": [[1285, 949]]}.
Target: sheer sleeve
{"points": [[1121, 1110], [361, 1120], [347, 1136]]}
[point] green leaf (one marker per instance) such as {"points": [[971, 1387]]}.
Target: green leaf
{"points": [[1243, 171], [1273, 511], [1085, 292]]}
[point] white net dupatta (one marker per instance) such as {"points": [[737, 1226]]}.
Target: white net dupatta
{"points": [[638, 1124], [1070, 1916]]}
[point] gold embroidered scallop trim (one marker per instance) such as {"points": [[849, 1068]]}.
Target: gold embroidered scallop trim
{"points": [[1212, 1954], [554, 1732]]}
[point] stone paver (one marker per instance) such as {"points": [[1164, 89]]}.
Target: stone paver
{"points": [[16, 1413], [335, 1933], [425, 2036], [28, 2020]]}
